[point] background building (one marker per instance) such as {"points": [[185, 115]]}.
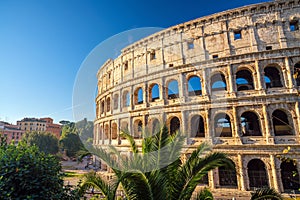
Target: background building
{"points": [[11, 132], [231, 79], [42, 124]]}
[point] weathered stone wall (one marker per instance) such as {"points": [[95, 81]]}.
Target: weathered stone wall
{"points": [[252, 42]]}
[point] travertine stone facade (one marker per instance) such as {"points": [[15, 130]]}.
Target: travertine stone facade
{"points": [[231, 79]]}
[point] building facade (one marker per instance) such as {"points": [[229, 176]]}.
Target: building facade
{"points": [[231, 79], [42, 124], [11, 132]]}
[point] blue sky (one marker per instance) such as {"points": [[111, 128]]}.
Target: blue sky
{"points": [[44, 42]]}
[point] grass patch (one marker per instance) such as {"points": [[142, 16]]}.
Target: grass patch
{"points": [[72, 174]]}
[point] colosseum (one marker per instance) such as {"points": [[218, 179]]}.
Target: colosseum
{"points": [[231, 79]]}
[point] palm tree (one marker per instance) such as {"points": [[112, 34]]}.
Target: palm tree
{"points": [[265, 194], [156, 171]]}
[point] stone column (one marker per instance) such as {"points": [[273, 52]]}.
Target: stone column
{"points": [[274, 169], [184, 122], [230, 86], [243, 175], [288, 75], [268, 128], [182, 87], [258, 76], [204, 83], [211, 179], [235, 131], [297, 124], [209, 126]]}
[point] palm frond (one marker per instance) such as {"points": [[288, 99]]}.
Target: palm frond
{"points": [[266, 194], [204, 194], [131, 140]]}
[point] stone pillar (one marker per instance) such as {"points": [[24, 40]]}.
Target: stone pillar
{"points": [[204, 83], [287, 74], [252, 39], [268, 128], [297, 124], [280, 28], [258, 76], [211, 179], [227, 41], [209, 126], [243, 175], [231, 84], [184, 122], [182, 87], [274, 169], [235, 131]]}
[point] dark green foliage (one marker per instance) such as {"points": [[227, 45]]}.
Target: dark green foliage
{"points": [[46, 142], [265, 194], [155, 171], [85, 131], [27, 173]]}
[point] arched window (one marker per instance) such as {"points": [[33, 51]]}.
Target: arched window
{"points": [[138, 128], [257, 174], [250, 124], [116, 100], [244, 80], [218, 82], [173, 92], [197, 126], [102, 107], [106, 132], [138, 96], [126, 99], [154, 92], [100, 132], [194, 86], [155, 126], [174, 125], [289, 176], [222, 125], [272, 74], [108, 104], [281, 123], [297, 73], [227, 177], [114, 131]]}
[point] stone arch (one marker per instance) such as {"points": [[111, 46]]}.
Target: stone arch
{"points": [[116, 101], [108, 104], [155, 126], [106, 131], [222, 125], [289, 176], [102, 107], [154, 92], [218, 82], [114, 131], [138, 96], [126, 99], [172, 89], [174, 124], [197, 126], [281, 123], [273, 76], [138, 129], [244, 80], [250, 124], [194, 86], [296, 73], [257, 174], [227, 177]]}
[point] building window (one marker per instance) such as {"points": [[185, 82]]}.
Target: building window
{"points": [[126, 65], [215, 56], [268, 48], [190, 45], [294, 26], [152, 55], [237, 35]]}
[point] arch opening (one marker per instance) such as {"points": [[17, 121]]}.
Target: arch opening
{"points": [[250, 124], [197, 126], [173, 92], [126, 99], [116, 100], [154, 92], [244, 80], [174, 125], [218, 82], [194, 86], [272, 77], [289, 176], [296, 74], [227, 177], [257, 174], [114, 131], [222, 125], [281, 123]]}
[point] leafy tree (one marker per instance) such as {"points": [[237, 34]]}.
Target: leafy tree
{"points": [[28, 173], [70, 140], [46, 142], [156, 170], [85, 131]]}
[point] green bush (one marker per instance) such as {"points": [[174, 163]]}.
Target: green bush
{"points": [[28, 173]]}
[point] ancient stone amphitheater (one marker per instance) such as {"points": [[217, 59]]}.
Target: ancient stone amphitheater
{"points": [[231, 79]]}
